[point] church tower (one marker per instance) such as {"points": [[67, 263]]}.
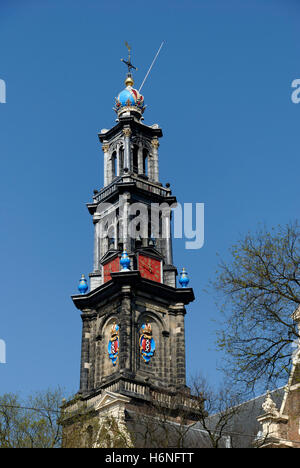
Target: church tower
{"points": [[133, 330]]}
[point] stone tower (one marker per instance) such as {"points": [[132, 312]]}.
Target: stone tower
{"points": [[133, 333]]}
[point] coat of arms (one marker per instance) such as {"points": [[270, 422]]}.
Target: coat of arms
{"points": [[113, 344], [147, 343]]}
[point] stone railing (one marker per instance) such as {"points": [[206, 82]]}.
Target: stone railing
{"points": [[175, 400], [107, 191], [143, 391], [153, 188], [128, 386], [142, 184], [135, 388]]}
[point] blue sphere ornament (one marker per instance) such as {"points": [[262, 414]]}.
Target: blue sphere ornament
{"points": [[129, 97], [83, 286], [184, 279], [125, 261], [126, 98]]}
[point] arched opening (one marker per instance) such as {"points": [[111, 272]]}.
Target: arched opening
{"points": [[108, 361], [157, 366], [114, 164], [111, 236], [135, 164]]}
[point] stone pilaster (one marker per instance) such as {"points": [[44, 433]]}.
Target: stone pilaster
{"points": [[155, 171], [85, 354], [96, 218], [126, 354], [127, 133], [178, 338], [124, 206], [105, 148], [140, 159], [169, 253]]}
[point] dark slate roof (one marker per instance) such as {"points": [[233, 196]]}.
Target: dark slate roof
{"points": [[155, 432], [244, 427], [240, 431]]}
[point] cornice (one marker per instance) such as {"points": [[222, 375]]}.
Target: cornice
{"points": [[130, 122], [137, 283]]}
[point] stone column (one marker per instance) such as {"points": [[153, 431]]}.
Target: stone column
{"points": [[140, 159], [109, 169], [118, 161], [125, 208], [116, 232], [169, 253], [127, 133], [96, 219], [150, 167], [100, 232], [105, 148], [155, 171], [126, 351]]}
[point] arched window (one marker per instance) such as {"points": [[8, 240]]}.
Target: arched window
{"points": [[111, 236], [114, 164]]}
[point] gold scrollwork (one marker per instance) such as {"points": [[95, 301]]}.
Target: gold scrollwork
{"points": [[155, 143], [127, 132]]}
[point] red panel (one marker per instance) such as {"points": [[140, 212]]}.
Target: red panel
{"points": [[150, 268], [110, 267]]}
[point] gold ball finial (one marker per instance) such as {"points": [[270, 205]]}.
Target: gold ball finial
{"points": [[129, 81]]}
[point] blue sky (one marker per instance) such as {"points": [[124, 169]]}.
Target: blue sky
{"points": [[220, 90]]}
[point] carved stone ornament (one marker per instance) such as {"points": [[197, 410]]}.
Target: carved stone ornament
{"points": [[155, 143], [296, 315], [269, 406], [127, 132], [105, 147]]}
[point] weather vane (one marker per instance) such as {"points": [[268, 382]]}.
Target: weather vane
{"points": [[128, 62], [129, 79]]}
